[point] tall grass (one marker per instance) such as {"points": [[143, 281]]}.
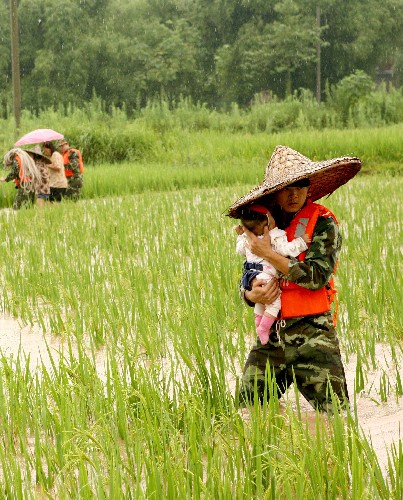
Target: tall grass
{"points": [[151, 279], [161, 134], [181, 159]]}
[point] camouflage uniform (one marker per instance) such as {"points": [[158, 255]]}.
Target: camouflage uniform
{"points": [[75, 182], [22, 198], [306, 348]]}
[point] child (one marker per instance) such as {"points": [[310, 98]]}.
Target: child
{"points": [[255, 218]]}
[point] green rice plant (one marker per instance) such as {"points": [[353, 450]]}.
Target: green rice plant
{"points": [[359, 383], [395, 465], [139, 291]]}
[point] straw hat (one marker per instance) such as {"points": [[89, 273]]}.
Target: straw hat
{"points": [[287, 166], [36, 150]]}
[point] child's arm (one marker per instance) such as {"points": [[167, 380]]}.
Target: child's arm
{"points": [[293, 248], [240, 241]]}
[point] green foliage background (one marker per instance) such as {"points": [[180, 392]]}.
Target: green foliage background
{"points": [[195, 135], [146, 337], [131, 52]]}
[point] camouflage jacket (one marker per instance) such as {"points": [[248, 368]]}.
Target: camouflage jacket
{"points": [[74, 164], [320, 259], [14, 172]]}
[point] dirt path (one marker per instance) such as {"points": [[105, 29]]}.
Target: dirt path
{"points": [[381, 422]]}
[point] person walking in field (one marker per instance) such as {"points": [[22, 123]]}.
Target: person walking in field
{"points": [[255, 218], [27, 175], [41, 188], [303, 344], [74, 169], [57, 177]]}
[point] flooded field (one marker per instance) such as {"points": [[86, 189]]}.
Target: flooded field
{"points": [[381, 422], [123, 338]]}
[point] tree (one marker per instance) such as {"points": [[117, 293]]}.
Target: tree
{"points": [[5, 61], [348, 92], [147, 59], [244, 68], [213, 51], [293, 40]]}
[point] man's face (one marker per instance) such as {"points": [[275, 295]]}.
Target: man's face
{"points": [[292, 199]]}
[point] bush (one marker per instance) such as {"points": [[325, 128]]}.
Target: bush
{"points": [[100, 144], [112, 137]]}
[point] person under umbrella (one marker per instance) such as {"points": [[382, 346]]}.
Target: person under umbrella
{"points": [[57, 176], [303, 344]]}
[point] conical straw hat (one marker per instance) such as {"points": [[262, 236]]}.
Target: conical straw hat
{"points": [[287, 166], [36, 150]]}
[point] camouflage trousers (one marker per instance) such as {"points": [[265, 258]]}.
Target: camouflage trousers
{"points": [[305, 350], [23, 199], [74, 187]]}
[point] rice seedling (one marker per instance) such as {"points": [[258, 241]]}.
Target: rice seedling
{"points": [[140, 399]]}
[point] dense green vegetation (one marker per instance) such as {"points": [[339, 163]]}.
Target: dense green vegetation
{"points": [[129, 53], [134, 288], [195, 136], [138, 300], [178, 159], [176, 107]]}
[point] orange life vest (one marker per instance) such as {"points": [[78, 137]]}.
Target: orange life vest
{"points": [[18, 181], [296, 300], [66, 161]]}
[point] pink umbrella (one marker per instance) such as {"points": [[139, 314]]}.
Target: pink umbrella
{"points": [[39, 135]]}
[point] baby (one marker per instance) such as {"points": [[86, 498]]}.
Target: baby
{"points": [[255, 218]]}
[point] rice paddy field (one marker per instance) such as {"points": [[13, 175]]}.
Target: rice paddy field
{"points": [[131, 293]]}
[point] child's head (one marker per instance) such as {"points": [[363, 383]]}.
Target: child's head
{"points": [[255, 218]]}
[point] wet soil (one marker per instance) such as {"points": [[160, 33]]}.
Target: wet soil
{"points": [[382, 422]]}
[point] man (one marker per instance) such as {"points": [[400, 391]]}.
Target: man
{"points": [[303, 345], [74, 169], [28, 171]]}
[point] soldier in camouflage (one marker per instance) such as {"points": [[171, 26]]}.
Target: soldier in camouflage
{"points": [[72, 168], [25, 174], [302, 349], [23, 197]]}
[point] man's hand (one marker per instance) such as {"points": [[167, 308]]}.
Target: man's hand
{"points": [[259, 246], [262, 248], [263, 292]]}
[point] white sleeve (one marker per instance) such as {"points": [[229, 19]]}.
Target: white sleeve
{"points": [[282, 246], [241, 245]]}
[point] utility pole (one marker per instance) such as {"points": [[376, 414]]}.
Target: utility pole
{"points": [[15, 64], [318, 54]]}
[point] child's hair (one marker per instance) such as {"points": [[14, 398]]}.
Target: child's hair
{"points": [[50, 146], [251, 219]]}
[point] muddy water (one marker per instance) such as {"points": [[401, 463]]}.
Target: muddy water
{"points": [[26, 341], [381, 422]]}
